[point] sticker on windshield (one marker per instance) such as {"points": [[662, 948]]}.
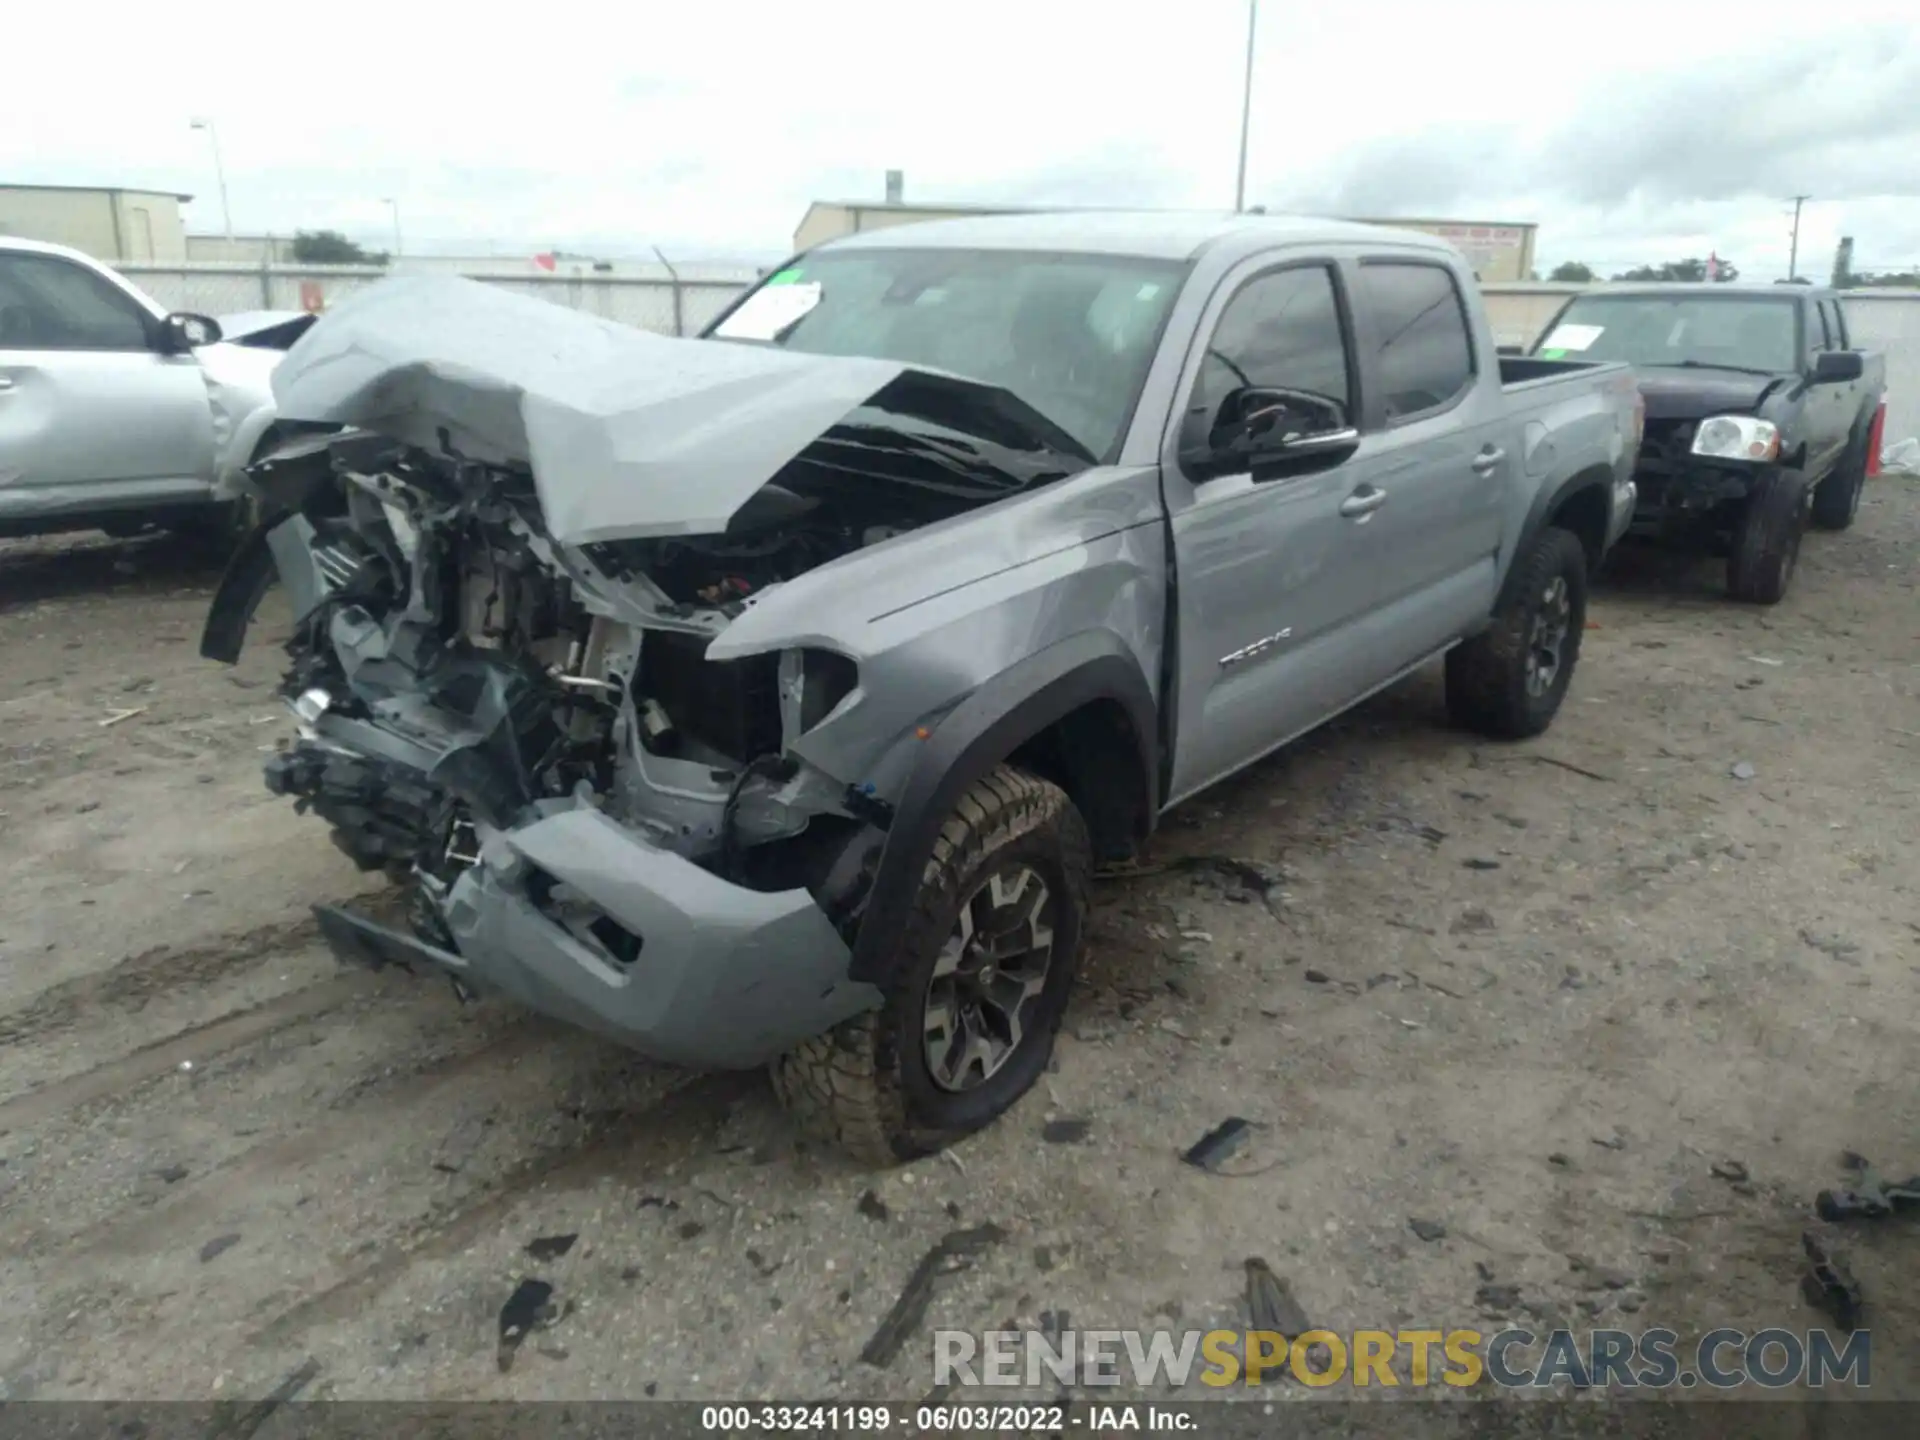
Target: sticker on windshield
{"points": [[770, 311], [1147, 291], [785, 277], [1575, 337], [1553, 354]]}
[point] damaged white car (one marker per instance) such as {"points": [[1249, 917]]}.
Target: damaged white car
{"points": [[771, 697]]}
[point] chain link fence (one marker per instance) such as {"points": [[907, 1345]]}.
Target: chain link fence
{"points": [[666, 306]]}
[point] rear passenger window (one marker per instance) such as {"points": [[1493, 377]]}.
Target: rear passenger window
{"points": [[1423, 353], [1835, 319], [1282, 332]]}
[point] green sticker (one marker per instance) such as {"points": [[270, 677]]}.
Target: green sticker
{"points": [[785, 277], [1553, 354]]}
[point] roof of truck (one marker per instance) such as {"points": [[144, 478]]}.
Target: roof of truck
{"points": [[1165, 235]]}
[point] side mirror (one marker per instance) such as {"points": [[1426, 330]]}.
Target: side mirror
{"points": [[1837, 366], [1268, 431], [184, 331]]}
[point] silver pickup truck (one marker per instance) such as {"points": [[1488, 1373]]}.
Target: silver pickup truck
{"points": [[772, 696]]}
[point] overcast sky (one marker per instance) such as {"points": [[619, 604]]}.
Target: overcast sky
{"points": [[1630, 132]]}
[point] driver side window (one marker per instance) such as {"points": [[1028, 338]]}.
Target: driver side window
{"points": [[47, 303], [1282, 331]]}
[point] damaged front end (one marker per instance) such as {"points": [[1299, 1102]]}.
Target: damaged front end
{"points": [[525, 728]]}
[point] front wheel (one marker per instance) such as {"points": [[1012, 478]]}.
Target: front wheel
{"points": [[986, 961], [1508, 681], [1766, 542]]}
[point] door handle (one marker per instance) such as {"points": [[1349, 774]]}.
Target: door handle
{"points": [[1363, 502], [6, 382], [1486, 460]]}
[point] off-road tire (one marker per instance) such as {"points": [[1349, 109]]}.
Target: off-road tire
{"points": [[864, 1085], [1486, 682], [1766, 539], [1836, 500]]}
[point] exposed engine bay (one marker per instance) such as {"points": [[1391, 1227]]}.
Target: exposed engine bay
{"points": [[455, 670]]}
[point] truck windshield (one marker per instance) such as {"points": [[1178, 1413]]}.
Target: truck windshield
{"points": [[1070, 334], [1750, 332]]}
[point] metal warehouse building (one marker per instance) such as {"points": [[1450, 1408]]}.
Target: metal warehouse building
{"points": [[108, 224], [1499, 251]]}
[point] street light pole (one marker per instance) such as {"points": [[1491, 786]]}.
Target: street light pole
{"points": [[1793, 254], [394, 205], [220, 173], [1246, 109]]}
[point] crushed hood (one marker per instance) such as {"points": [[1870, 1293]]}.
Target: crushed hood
{"points": [[628, 434], [1693, 393]]}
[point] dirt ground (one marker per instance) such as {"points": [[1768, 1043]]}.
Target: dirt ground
{"points": [[1533, 994]]}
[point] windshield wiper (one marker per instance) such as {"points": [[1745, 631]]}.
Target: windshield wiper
{"points": [[1712, 365]]}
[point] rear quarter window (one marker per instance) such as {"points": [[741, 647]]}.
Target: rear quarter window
{"points": [[1422, 344]]}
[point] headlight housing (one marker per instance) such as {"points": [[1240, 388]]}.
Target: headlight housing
{"points": [[1737, 437]]}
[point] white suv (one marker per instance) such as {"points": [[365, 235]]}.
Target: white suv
{"points": [[115, 414]]}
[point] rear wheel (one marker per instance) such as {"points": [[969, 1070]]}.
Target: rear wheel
{"points": [[1837, 499], [1766, 541], [1509, 680], [986, 963]]}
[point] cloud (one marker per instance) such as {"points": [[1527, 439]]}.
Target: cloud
{"points": [[1633, 130]]}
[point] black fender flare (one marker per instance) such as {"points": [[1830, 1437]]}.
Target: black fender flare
{"points": [[977, 735], [1545, 504]]}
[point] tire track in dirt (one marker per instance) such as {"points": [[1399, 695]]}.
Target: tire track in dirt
{"points": [[197, 1043], [672, 1123], [128, 984]]}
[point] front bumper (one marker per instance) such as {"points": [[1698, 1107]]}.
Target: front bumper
{"points": [[725, 978]]}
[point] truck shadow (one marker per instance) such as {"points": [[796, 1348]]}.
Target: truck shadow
{"points": [[1643, 570], [59, 566]]}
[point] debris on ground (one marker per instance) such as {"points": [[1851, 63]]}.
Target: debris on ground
{"points": [[219, 1245], [257, 1415], [1428, 1230], [529, 1308], [1828, 1285], [872, 1206], [1316, 977], [1497, 1299], [1219, 1144], [1065, 1132], [1476, 863], [1834, 945], [953, 1254], [1270, 1302], [1472, 921], [1615, 1141], [550, 1247], [1743, 771], [1732, 1171], [1273, 1308], [657, 1202], [1873, 1199]]}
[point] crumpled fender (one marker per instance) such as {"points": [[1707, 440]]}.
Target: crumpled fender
{"points": [[240, 401]]}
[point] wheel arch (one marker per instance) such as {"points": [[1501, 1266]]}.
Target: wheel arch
{"points": [[1582, 504], [1078, 713]]}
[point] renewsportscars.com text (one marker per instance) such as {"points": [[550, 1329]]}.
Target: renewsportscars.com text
{"points": [[1656, 1359]]}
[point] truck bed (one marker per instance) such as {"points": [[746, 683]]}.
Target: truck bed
{"points": [[1520, 370]]}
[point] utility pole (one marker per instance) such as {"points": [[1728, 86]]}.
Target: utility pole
{"points": [[220, 173], [1246, 109], [1793, 255], [394, 205]]}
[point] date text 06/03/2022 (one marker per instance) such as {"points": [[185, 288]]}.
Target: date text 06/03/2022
{"points": [[942, 1419]]}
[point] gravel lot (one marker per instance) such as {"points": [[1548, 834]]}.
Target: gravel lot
{"points": [[1531, 994]]}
